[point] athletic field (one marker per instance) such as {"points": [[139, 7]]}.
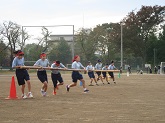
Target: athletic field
{"points": [[134, 99]]}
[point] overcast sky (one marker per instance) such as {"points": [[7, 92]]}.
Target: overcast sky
{"points": [[81, 13]]}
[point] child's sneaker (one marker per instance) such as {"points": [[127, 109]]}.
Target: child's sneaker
{"points": [[57, 87], [91, 84], [114, 82], [30, 95], [97, 84], [108, 83], [54, 92], [42, 92], [67, 88], [86, 91], [24, 96]]}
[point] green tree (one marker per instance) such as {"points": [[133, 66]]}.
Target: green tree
{"points": [[43, 41], [161, 46], [107, 41], [152, 48], [32, 52], [4, 51], [11, 32], [85, 45], [61, 52], [138, 27]]}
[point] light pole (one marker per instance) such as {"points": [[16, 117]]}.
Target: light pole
{"points": [[121, 45], [154, 57], [73, 44]]}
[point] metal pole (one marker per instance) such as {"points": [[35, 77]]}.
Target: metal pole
{"points": [[22, 39], [122, 45], [154, 56], [73, 44]]}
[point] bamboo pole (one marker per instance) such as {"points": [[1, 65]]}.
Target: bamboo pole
{"points": [[63, 69]]}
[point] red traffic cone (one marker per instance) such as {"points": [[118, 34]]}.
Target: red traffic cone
{"points": [[12, 90]]}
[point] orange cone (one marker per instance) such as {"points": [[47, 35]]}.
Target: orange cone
{"points": [[12, 90]]}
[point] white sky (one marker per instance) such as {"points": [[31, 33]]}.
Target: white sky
{"points": [[80, 13]]}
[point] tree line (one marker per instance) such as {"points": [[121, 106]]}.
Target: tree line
{"points": [[143, 41]]}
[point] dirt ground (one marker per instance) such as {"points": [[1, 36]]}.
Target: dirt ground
{"points": [[134, 99]]}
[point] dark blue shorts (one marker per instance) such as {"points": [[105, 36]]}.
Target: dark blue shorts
{"points": [[104, 74], [22, 75], [98, 73], [111, 74], [42, 76], [56, 78], [76, 76], [91, 74]]}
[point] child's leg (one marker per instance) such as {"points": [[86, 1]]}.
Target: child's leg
{"points": [[30, 95], [101, 79], [29, 85], [45, 86], [55, 85], [85, 89], [113, 78], [95, 80], [83, 81], [72, 84], [91, 80], [60, 79], [106, 78], [74, 79], [62, 83], [23, 89]]}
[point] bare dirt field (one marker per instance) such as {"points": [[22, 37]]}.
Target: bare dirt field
{"points": [[134, 99]]}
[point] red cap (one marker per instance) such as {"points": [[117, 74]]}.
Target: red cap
{"points": [[75, 57], [20, 53], [42, 55]]}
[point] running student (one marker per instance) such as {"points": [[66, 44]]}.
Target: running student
{"points": [[76, 75], [41, 73], [105, 73], [112, 67], [56, 75], [21, 74], [91, 75], [98, 66]]}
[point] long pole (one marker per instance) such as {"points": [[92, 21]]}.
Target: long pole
{"points": [[154, 56], [22, 39], [61, 69], [122, 45], [73, 44]]}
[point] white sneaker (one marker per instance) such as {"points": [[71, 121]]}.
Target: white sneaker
{"points": [[42, 92], [30, 95], [24, 96]]}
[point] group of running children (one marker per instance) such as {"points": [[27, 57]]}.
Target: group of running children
{"points": [[22, 74]]}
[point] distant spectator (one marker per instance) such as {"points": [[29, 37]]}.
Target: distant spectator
{"points": [[141, 72], [150, 69], [129, 69], [164, 69], [158, 70], [121, 70], [155, 70]]}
